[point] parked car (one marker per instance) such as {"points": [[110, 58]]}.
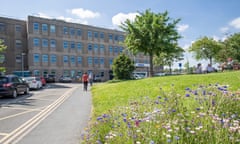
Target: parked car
{"points": [[12, 85], [97, 78], [65, 79], [43, 81], [50, 78], [34, 82]]}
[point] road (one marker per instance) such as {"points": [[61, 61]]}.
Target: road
{"points": [[56, 114]]}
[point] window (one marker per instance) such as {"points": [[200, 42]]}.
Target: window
{"points": [[79, 46], [89, 34], [18, 28], [89, 47], [44, 28], [36, 27], [2, 27], [65, 44], [120, 49], [36, 58], [52, 43], [116, 37], [72, 45], [65, 30], [96, 35], [101, 60], [115, 50], [79, 60], [72, 58], [65, 59], [95, 60], [102, 48], [52, 29], [79, 32], [36, 42], [53, 58], [95, 48], [72, 31], [18, 43], [44, 58], [102, 35], [18, 58], [110, 49], [45, 43], [110, 36], [110, 61], [89, 60], [120, 38]]}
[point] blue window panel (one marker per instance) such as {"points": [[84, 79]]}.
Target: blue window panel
{"points": [[116, 37], [65, 59], [72, 31], [79, 32], [36, 26], [44, 28], [120, 49], [53, 58], [65, 44], [121, 38], [110, 36], [44, 58], [52, 28], [72, 45], [44, 42], [36, 42], [95, 47], [52, 43], [72, 59], [102, 47], [110, 49], [95, 34], [36, 58], [102, 35], [79, 59], [79, 46], [89, 34], [65, 30], [101, 60], [116, 50], [90, 60], [95, 60], [89, 47], [110, 61], [18, 28]]}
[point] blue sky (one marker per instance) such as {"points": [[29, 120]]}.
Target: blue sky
{"points": [[212, 18]]}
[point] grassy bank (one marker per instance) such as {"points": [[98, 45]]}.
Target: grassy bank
{"points": [[170, 109]]}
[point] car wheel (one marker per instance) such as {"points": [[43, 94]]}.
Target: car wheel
{"points": [[27, 91], [14, 93]]}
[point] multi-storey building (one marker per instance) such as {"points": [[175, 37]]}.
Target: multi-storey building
{"points": [[50, 46]]}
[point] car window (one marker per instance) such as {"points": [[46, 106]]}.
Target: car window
{"points": [[3, 80], [15, 79]]}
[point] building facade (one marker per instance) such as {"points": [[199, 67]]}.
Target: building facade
{"points": [[50, 46]]}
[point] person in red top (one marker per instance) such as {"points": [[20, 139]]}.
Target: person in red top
{"points": [[85, 81]]}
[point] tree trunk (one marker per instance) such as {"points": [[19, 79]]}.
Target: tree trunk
{"points": [[151, 65]]}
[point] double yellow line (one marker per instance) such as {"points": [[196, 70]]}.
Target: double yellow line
{"points": [[24, 129]]}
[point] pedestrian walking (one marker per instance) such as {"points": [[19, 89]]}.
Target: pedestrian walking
{"points": [[85, 81], [90, 78]]}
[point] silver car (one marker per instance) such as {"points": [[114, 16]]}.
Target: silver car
{"points": [[33, 82]]}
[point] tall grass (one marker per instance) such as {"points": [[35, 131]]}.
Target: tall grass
{"points": [[172, 109]]}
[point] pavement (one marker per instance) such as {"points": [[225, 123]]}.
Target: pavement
{"points": [[66, 124]]}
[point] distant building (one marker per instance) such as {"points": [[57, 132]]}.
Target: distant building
{"points": [[49, 46]]}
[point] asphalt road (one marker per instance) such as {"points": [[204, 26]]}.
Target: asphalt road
{"points": [[51, 116]]}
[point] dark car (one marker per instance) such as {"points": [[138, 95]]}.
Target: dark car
{"points": [[50, 78], [12, 85], [65, 79]]}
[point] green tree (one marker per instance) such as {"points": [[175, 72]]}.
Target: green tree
{"points": [[151, 34], [232, 47], [2, 57], [205, 48], [123, 67]]}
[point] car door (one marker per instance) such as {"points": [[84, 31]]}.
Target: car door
{"points": [[19, 85]]}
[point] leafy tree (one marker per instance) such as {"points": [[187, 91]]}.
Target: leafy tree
{"points": [[232, 47], [205, 48], [123, 67], [151, 34], [2, 48]]}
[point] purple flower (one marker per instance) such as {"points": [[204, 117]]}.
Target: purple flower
{"points": [[187, 95]]}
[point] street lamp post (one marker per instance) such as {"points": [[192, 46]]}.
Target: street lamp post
{"points": [[23, 54]]}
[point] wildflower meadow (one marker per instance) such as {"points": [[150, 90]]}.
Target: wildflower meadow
{"points": [[196, 114]]}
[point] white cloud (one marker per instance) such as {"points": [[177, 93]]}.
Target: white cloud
{"points": [[235, 23], [84, 14], [182, 27], [43, 15], [68, 19], [121, 17], [224, 29]]}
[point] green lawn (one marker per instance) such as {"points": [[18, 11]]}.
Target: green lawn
{"points": [[181, 109]]}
